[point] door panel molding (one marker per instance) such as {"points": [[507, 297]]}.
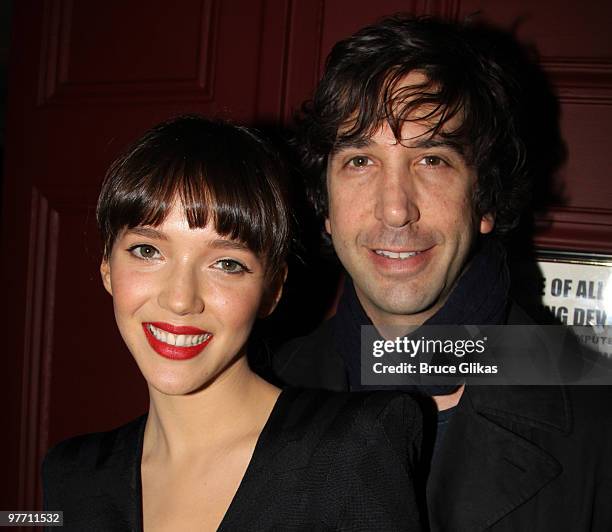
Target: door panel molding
{"points": [[38, 346], [60, 84], [581, 80]]}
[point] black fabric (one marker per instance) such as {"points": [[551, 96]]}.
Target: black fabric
{"points": [[479, 298], [513, 458], [442, 419], [324, 461]]}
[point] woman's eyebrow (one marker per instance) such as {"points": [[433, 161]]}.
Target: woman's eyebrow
{"points": [[147, 232], [222, 243], [218, 243]]}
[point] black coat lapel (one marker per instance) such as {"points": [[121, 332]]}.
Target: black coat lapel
{"points": [[484, 468]]}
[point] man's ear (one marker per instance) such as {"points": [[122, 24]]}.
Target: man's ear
{"points": [[273, 294], [487, 223], [327, 226], [106, 276]]}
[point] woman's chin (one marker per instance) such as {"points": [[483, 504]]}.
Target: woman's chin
{"points": [[180, 378], [177, 386]]}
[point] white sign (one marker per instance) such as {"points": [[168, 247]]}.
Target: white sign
{"points": [[577, 290]]}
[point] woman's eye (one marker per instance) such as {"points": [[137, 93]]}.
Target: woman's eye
{"points": [[144, 252], [360, 161], [230, 266]]}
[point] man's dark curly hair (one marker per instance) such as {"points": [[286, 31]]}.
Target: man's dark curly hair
{"points": [[363, 86]]}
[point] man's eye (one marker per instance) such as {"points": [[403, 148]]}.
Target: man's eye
{"points": [[360, 161], [230, 266], [145, 252], [432, 160]]}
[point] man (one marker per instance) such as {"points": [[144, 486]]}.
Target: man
{"points": [[419, 168]]}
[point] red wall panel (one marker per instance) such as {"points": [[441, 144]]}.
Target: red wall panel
{"points": [[87, 77]]}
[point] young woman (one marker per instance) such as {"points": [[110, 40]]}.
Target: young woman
{"points": [[196, 229]]}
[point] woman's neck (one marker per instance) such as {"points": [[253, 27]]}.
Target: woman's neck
{"points": [[236, 405]]}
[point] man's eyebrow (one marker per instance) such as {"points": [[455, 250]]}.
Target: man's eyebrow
{"points": [[435, 143], [147, 232], [423, 143], [356, 144]]}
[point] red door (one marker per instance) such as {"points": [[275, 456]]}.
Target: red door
{"points": [[87, 77]]}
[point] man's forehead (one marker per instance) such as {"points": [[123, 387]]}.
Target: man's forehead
{"points": [[434, 118], [411, 100], [425, 136]]}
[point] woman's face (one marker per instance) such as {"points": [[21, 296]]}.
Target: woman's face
{"points": [[185, 301]]}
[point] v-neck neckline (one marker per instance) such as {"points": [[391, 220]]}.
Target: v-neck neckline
{"points": [[261, 453]]}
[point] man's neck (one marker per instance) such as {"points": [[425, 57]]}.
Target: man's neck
{"points": [[390, 325], [444, 402]]}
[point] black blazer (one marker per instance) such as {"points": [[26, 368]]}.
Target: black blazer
{"points": [[324, 461], [513, 459]]}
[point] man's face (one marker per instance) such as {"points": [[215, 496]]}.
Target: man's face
{"points": [[402, 221]]}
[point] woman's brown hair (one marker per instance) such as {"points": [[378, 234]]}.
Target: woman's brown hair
{"points": [[219, 172]]}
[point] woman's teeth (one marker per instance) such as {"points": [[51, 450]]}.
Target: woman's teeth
{"points": [[179, 340]]}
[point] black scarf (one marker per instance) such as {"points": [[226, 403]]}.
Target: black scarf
{"points": [[479, 298]]}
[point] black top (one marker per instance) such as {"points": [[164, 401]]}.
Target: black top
{"points": [[512, 459], [333, 461]]}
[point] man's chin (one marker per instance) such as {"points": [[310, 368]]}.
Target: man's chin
{"points": [[391, 306]]}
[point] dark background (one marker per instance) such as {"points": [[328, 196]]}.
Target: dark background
{"points": [[87, 77]]}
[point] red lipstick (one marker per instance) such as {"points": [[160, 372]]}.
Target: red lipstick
{"points": [[175, 352], [177, 329]]}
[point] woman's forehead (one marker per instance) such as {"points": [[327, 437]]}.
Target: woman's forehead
{"points": [[175, 225]]}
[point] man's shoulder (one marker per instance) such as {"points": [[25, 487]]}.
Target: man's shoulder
{"points": [[564, 420], [311, 361], [592, 409], [320, 339], [518, 316]]}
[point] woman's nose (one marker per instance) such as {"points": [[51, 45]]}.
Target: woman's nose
{"points": [[182, 292]]}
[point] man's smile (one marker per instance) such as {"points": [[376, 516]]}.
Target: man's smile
{"points": [[396, 255], [400, 262]]}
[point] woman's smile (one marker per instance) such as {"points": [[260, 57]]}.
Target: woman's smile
{"points": [[176, 342]]}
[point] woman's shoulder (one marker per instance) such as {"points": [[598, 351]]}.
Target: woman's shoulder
{"points": [[94, 478], [353, 457], [392, 417], [366, 405], [91, 451]]}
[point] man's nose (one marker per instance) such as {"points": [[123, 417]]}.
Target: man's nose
{"points": [[396, 204], [182, 292]]}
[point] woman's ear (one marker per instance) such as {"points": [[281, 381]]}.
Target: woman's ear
{"points": [[106, 276], [273, 294], [487, 223]]}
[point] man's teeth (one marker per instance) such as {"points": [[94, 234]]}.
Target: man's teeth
{"points": [[392, 255], [179, 340]]}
